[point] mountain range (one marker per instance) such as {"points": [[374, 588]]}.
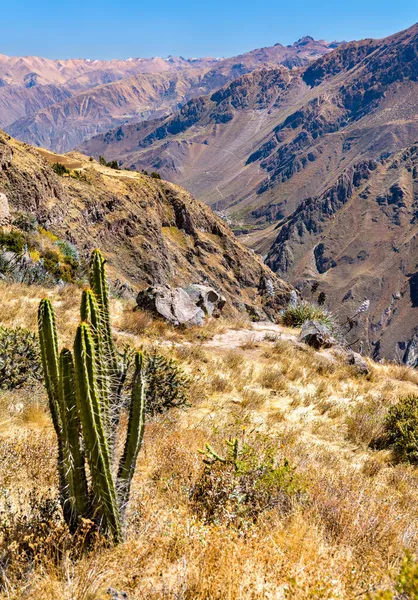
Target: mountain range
{"points": [[58, 104], [308, 152], [316, 167]]}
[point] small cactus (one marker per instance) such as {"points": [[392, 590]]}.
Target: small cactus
{"points": [[84, 389]]}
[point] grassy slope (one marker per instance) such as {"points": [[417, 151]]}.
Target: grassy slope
{"points": [[349, 532]]}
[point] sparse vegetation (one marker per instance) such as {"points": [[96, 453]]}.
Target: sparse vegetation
{"points": [[60, 169], [401, 430], [326, 524], [296, 315], [20, 361]]}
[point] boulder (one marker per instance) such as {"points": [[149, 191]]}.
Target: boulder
{"points": [[174, 304], [358, 362], [206, 298], [4, 211], [316, 334]]}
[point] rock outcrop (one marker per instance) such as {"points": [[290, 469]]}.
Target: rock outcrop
{"points": [[173, 304]]}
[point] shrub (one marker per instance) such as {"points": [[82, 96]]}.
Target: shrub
{"points": [[25, 222], [401, 430], [12, 241], [406, 585], [238, 487], [60, 169], [67, 249], [20, 360], [155, 175], [167, 384], [296, 315]]}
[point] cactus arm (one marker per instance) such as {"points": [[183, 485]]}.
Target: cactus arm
{"points": [[89, 312], [48, 341], [98, 284], [97, 450], [135, 432], [74, 456]]}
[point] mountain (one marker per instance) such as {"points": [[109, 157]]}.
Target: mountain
{"points": [[281, 154], [58, 104], [152, 232], [271, 138]]}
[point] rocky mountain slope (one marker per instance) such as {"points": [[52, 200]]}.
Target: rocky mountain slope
{"points": [[262, 144], [151, 231], [288, 155], [358, 241], [58, 104]]}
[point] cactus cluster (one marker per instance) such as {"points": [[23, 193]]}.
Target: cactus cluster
{"points": [[84, 388]]}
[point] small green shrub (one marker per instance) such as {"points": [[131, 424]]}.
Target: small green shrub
{"points": [[67, 249], [401, 430], [168, 385], [155, 175], [12, 241], [296, 315], [60, 169], [24, 222], [238, 487], [406, 584], [20, 361]]}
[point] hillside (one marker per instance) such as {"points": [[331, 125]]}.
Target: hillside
{"points": [[273, 152], [151, 231], [314, 512], [59, 104]]}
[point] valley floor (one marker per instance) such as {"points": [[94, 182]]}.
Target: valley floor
{"points": [[339, 530]]}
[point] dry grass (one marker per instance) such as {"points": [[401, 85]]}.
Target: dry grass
{"points": [[345, 536]]}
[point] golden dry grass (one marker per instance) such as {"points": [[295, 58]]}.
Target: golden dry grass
{"points": [[344, 538]]}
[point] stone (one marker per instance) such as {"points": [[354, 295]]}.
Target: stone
{"points": [[316, 334], [206, 298], [4, 211], [358, 362], [174, 304]]}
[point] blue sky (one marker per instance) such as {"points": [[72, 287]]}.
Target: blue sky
{"points": [[105, 29]]}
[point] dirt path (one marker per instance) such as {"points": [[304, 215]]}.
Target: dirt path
{"points": [[234, 338]]}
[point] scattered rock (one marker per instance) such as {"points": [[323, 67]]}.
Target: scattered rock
{"points": [[115, 594], [206, 298], [174, 304], [358, 362], [4, 211], [316, 334]]}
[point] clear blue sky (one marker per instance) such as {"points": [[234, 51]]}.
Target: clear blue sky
{"points": [[110, 29]]}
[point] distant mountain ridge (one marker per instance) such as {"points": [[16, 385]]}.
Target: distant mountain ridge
{"points": [[59, 104]]}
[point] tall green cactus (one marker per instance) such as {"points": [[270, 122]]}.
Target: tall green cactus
{"points": [[84, 391]]}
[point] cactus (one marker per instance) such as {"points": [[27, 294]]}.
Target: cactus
{"points": [[84, 391]]}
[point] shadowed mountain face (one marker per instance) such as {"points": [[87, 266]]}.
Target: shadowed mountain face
{"points": [[59, 104], [317, 166]]}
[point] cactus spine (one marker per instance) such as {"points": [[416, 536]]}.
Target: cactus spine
{"points": [[84, 391]]}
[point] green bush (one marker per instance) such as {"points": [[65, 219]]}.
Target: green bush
{"points": [[12, 241], [168, 385], [155, 175], [401, 430], [20, 361], [406, 584], [238, 487], [67, 249], [296, 315], [60, 169]]}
